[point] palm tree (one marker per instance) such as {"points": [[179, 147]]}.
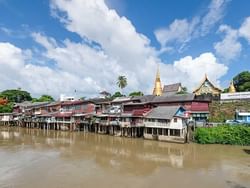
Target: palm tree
{"points": [[121, 82]]}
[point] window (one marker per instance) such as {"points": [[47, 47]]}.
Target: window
{"points": [[162, 121], [77, 107], [149, 130], [165, 132], [155, 131], [160, 131], [175, 132], [175, 120]]}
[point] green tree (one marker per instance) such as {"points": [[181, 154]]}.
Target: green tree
{"points": [[16, 95], [226, 90], [7, 108], [117, 94], [136, 93], [121, 82], [242, 81], [44, 98]]}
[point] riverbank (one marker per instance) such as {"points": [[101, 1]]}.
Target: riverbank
{"points": [[225, 134]]}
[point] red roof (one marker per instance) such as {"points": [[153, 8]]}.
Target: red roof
{"points": [[64, 103], [199, 106], [140, 112]]}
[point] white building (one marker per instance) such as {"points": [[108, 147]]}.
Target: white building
{"points": [[235, 96], [166, 123], [66, 98]]}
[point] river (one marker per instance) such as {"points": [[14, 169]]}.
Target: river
{"points": [[53, 159]]}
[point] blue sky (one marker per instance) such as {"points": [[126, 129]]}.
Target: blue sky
{"points": [[60, 46]]}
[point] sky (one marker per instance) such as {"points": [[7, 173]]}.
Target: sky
{"points": [[80, 47]]}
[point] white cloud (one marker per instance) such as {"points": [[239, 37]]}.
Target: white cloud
{"points": [[181, 31], [16, 72], [194, 69], [244, 30], [229, 48], [214, 15], [5, 30], [88, 69]]}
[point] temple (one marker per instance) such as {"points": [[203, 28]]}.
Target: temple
{"points": [[232, 88], [207, 87], [157, 87]]}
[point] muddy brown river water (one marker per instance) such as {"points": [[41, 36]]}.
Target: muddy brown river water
{"points": [[52, 159]]}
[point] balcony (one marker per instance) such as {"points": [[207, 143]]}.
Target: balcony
{"points": [[114, 123], [138, 124], [84, 121], [104, 122], [125, 124], [157, 124]]}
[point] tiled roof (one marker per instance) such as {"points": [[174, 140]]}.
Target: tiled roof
{"points": [[140, 112], [65, 103], [163, 112], [145, 98], [99, 100], [174, 98], [55, 103], [171, 88]]}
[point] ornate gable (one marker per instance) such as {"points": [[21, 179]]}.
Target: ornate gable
{"points": [[207, 87]]}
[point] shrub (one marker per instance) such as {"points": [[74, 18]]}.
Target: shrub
{"points": [[234, 135]]}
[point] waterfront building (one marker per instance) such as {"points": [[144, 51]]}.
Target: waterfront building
{"points": [[207, 87], [122, 116], [5, 117], [196, 109], [166, 123]]}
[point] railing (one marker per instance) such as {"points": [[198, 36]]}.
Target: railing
{"points": [[84, 121], [114, 123], [63, 121], [156, 124], [125, 124], [138, 124], [104, 122]]}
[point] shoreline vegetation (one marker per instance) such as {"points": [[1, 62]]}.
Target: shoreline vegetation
{"points": [[224, 134]]}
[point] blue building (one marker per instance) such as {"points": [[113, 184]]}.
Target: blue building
{"points": [[243, 117]]}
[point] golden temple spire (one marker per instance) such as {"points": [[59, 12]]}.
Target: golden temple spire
{"points": [[157, 88], [232, 88]]}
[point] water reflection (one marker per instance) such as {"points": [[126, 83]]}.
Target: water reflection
{"points": [[123, 156]]}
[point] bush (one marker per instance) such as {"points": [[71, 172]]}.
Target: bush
{"points": [[233, 135]]}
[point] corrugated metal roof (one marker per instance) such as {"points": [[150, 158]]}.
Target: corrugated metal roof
{"points": [[174, 98], [144, 99], [163, 112], [171, 88]]}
